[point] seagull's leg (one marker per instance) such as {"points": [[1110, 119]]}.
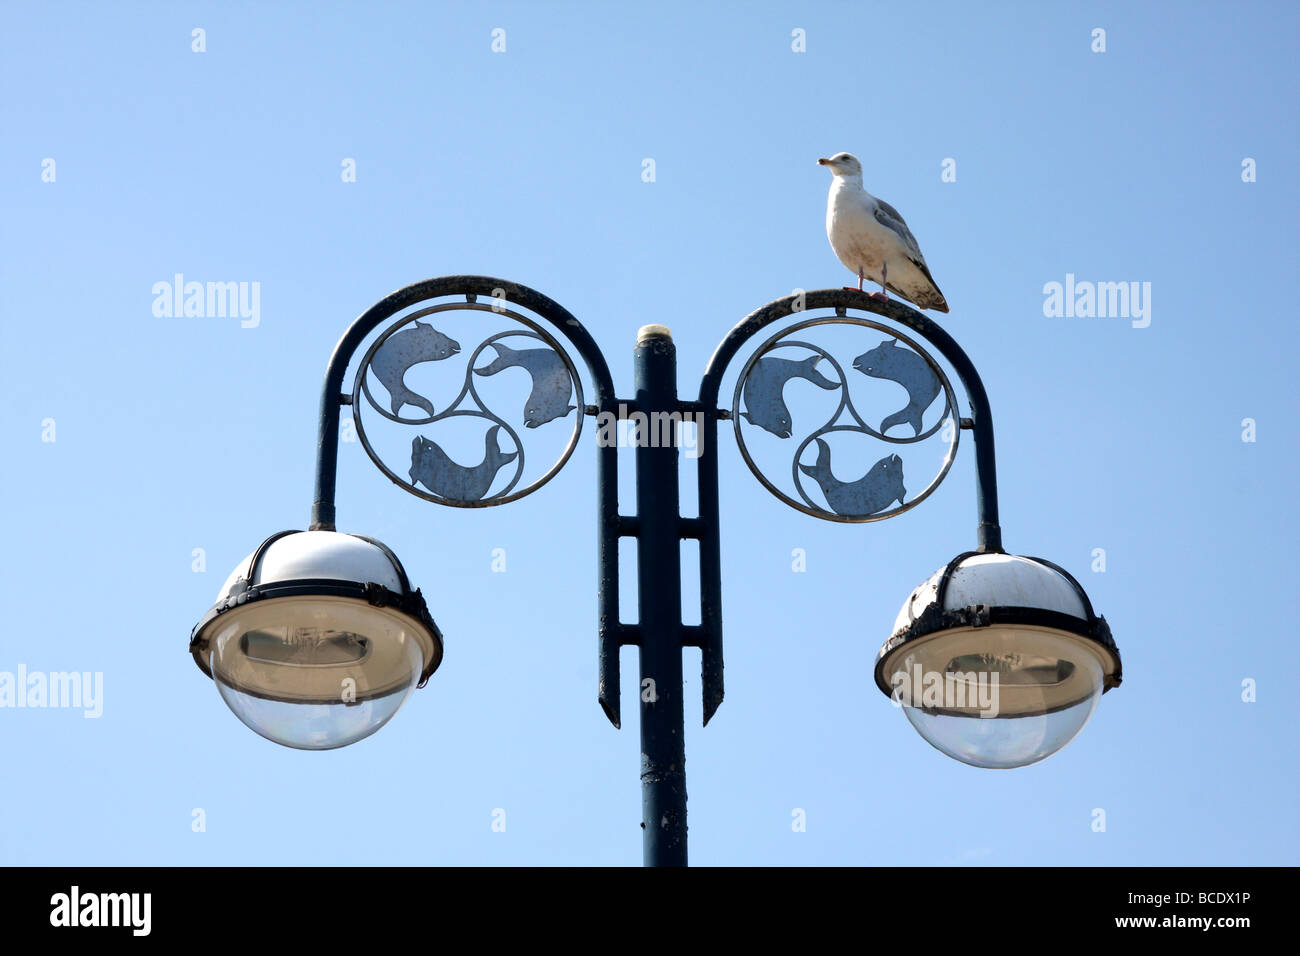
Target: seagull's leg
{"points": [[850, 288], [882, 295]]}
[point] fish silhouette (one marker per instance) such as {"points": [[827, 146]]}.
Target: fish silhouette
{"points": [[432, 467], [765, 391], [909, 370], [422, 343], [879, 487], [552, 384]]}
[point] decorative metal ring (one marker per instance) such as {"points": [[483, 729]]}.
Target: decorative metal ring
{"points": [[468, 390], [808, 506]]}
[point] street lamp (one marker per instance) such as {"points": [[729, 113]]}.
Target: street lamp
{"points": [[998, 660], [317, 638]]}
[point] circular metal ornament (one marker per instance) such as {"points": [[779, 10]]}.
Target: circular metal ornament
{"points": [[467, 487], [764, 400]]}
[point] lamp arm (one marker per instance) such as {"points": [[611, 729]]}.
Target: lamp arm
{"points": [[989, 530], [332, 395]]}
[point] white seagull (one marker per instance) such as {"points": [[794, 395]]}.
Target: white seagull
{"points": [[871, 239]]}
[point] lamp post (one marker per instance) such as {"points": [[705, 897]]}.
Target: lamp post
{"points": [[318, 638]]}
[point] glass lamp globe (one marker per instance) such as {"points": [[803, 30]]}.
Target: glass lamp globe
{"points": [[998, 661], [327, 645]]}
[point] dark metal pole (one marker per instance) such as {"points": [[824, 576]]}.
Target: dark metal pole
{"points": [[709, 530], [659, 586]]}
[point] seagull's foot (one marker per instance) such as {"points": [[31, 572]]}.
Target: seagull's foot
{"points": [[879, 296]]}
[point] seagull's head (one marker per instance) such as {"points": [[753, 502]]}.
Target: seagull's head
{"points": [[843, 164]]}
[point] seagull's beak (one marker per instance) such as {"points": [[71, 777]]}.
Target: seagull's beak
{"points": [[823, 162]]}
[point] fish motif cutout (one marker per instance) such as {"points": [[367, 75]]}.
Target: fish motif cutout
{"points": [[880, 487], [433, 468], [764, 391], [421, 343], [552, 384], [888, 361]]}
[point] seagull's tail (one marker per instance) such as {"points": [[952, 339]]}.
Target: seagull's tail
{"points": [[934, 299], [926, 299]]}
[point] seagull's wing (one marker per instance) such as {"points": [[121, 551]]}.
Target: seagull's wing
{"points": [[889, 217]]}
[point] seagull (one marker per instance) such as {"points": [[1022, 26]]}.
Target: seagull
{"points": [[871, 239]]}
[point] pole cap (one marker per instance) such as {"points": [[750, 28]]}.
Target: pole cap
{"points": [[654, 332]]}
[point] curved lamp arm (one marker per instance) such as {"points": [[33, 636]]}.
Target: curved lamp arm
{"points": [[989, 531], [332, 397]]}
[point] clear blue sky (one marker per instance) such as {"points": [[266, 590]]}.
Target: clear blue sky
{"points": [[174, 434]]}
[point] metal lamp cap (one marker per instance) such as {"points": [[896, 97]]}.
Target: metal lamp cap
{"points": [[654, 332]]}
